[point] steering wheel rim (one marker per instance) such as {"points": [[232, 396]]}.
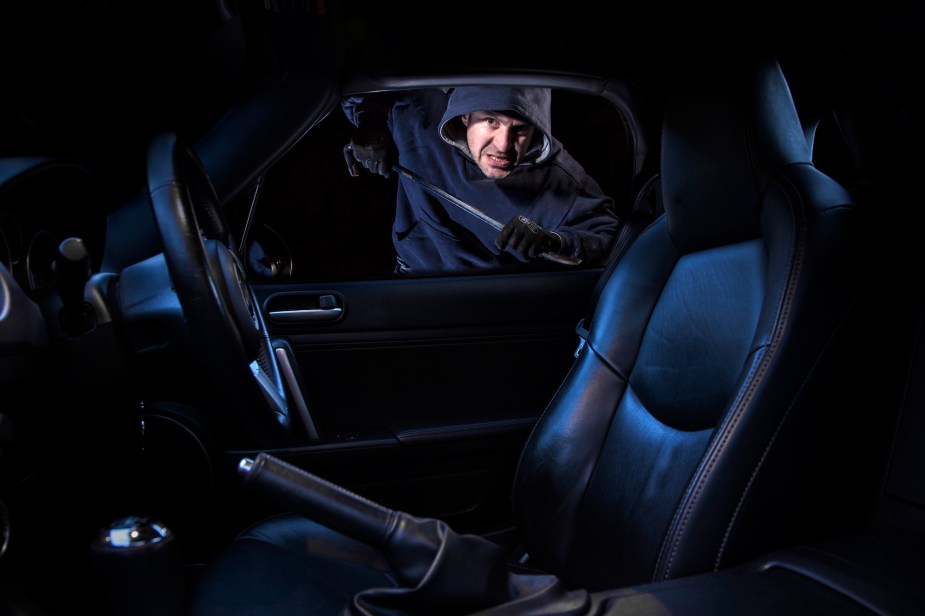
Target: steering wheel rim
{"points": [[225, 326]]}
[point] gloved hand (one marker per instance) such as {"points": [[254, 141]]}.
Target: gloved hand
{"points": [[527, 238], [371, 146]]}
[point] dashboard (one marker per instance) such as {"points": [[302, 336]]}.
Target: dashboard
{"points": [[43, 202]]}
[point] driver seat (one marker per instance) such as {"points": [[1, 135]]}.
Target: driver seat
{"points": [[682, 438]]}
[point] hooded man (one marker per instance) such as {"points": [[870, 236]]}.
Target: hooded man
{"points": [[491, 147]]}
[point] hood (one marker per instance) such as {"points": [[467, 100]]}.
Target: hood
{"points": [[532, 105]]}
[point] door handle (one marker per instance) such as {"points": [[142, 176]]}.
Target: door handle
{"points": [[303, 308]]}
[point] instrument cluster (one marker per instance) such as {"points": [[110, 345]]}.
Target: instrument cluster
{"points": [[42, 203]]}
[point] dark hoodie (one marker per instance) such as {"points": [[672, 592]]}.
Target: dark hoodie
{"points": [[548, 186]]}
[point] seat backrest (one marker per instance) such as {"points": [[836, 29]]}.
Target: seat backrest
{"points": [[678, 442]]}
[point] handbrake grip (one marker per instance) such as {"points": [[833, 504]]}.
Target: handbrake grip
{"points": [[317, 499]]}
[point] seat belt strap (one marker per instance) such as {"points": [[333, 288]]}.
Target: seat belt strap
{"points": [[646, 207]]}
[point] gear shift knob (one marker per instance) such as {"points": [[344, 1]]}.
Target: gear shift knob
{"points": [[139, 565], [72, 270]]}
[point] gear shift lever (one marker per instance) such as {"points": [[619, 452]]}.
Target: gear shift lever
{"points": [[139, 564], [72, 271]]}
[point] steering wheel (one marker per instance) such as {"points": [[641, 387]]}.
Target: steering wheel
{"points": [[226, 327]]}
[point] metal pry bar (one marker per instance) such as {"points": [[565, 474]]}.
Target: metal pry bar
{"points": [[474, 211]]}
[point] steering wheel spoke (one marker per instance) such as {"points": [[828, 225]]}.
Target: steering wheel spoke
{"points": [[225, 325]]}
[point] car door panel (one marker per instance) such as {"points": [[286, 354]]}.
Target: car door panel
{"points": [[437, 352], [435, 380]]}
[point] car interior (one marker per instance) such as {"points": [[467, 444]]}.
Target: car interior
{"points": [[217, 396]]}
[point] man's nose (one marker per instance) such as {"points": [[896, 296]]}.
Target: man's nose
{"points": [[504, 138]]}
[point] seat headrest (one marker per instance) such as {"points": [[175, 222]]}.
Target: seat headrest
{"points": [[725, 134]]}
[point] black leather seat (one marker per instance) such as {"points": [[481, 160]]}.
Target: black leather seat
{"points": [[679, 442]]}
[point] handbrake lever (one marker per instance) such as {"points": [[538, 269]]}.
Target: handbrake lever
{"points": [[317, 499], [439, 571]]}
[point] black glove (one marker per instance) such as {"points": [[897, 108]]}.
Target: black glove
{"points": [[372, 148], [527, 238]]}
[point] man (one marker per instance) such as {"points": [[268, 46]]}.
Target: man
{"points": [[490, 147]]}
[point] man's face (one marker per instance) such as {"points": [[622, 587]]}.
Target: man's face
{"points": [[497, 141]]}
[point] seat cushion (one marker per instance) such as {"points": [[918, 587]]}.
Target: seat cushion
{"points": [[288, 562]]}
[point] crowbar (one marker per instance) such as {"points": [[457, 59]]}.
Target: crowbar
{"points": [[439, 192]]}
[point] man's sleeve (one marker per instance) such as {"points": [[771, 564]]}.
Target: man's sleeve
{"points": [[373, 108], [591, 227], [350, 105]]}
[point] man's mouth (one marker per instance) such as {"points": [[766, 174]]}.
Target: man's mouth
{"points": [[499, 162]]}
